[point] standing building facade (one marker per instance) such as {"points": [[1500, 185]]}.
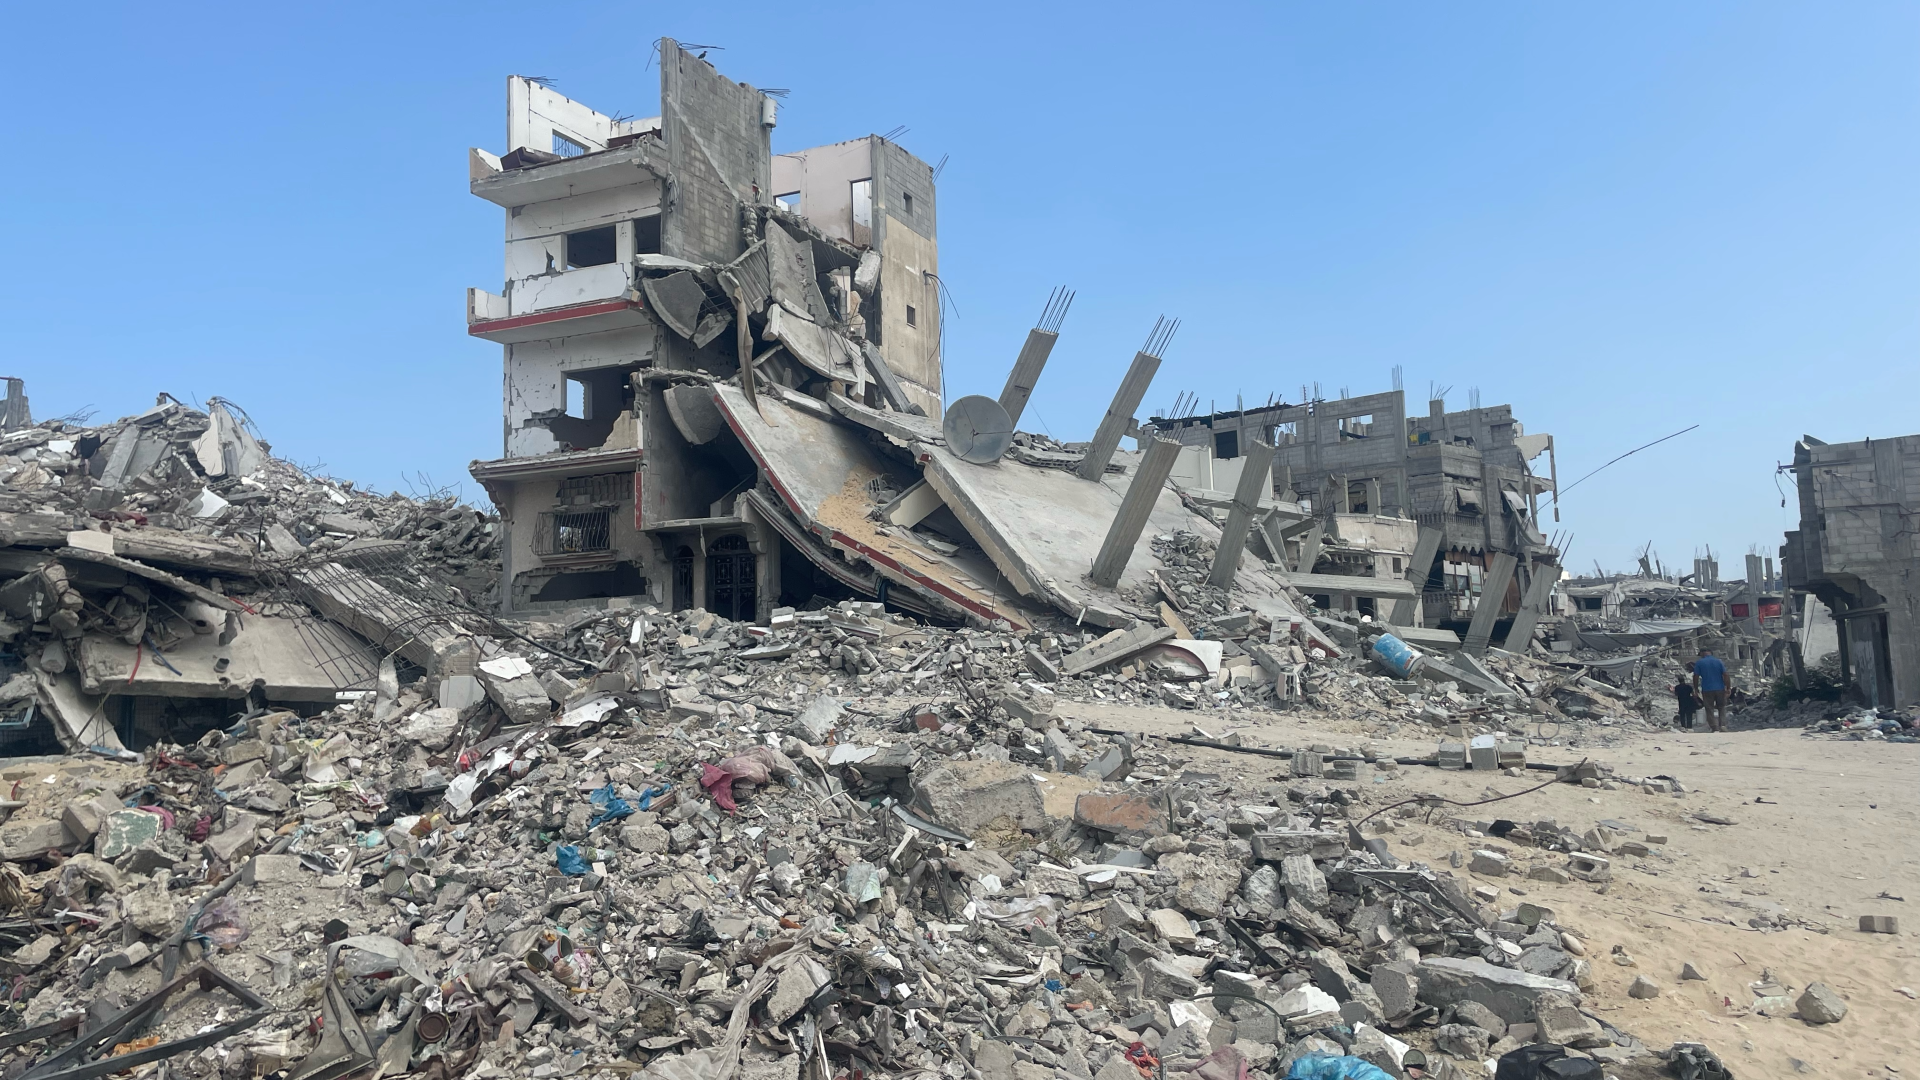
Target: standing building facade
{"points": [[646, 259]]}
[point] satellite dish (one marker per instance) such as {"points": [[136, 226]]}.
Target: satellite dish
{"points": [[977, 429]]}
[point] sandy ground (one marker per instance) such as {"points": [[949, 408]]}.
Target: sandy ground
{"points": [[1823, 829]]}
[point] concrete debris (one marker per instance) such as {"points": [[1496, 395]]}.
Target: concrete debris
{"points": [[749, 740]]}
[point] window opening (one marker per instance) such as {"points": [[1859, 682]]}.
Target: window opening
{"points": [[576, 399], [566, 147], [913, 317], [590, 247], [790, 202], [906, 199], [1226, 445], [574, 533], [646, 235], [862, 193]]}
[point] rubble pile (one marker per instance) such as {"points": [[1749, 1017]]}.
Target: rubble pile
{"points": [[691, 887], [209, 474]]}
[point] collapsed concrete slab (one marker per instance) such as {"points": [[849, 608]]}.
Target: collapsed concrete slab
{"points": [[1449, 980], [821, 470], [287, 660]]}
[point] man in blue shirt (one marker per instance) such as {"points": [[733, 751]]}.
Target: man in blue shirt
{"points": [[1710, 678]]}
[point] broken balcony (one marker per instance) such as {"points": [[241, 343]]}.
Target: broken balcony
{"points": [[600, 170], [584, 300]]}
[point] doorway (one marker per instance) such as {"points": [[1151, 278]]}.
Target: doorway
{"points": [[730, 579]]}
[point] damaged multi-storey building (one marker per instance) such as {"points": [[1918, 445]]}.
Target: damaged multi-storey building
{"points": [[1447, 500], [1858, 551], [647, 257]]}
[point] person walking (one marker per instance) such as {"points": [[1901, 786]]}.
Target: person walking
{"points": [[1710, 679], [1688, 701]]}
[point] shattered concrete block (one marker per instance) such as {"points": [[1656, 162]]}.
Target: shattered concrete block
{"points": [[242, 750], [1542, 960], [1329, 972], [1643, 988], [1879, 924], [524, 698], [276, 870], [1165, 982], [1122, 813], [1488, 863], [1261, 890], [1057, 882], [1120, 915], [1304, 881], [431, 729], [1818, 1004], [32, 839], [796, 986], [968, 795], [1447, 980], [83, 817], [1472, 1012], [243, 776], [816, 722], [1041, 667], [124, 830], [151, 911], [34, 954], [645, 837], [1036, 712], [1591, 868], [1397, 988], [229, 846], [1558, 1020], [1203, 885], [1549, 873], [1303, 1006], [1115, 764], [1462, 1041], [1172, 926]]}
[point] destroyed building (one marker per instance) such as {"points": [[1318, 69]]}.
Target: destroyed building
{"points": [[1856, 551], [644, 257], [1371, 482]]}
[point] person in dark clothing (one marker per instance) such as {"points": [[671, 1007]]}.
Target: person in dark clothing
{"points": [[1688, 700]]}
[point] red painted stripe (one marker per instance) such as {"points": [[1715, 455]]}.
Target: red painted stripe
{"points": [[578, 311]]}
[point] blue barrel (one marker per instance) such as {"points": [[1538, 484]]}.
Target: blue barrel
{"points": [[1397, 655]]}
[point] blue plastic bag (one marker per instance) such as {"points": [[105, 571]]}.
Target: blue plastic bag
{"points": [[610, 806], [570, 861], [1329, 1067]]}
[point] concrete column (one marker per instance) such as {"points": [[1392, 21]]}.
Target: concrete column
{"points": [[1342, 499], [1135, 507], [1026, 371], [1373, 496], [1493, 593], [1407, 612], [1532, 606], [1256, 480], [1310, 547], [1119, 415]]}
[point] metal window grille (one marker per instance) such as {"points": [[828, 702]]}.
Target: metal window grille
{"points": [[574, 533]]}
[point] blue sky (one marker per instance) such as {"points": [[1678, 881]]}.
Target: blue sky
{"points": [[1622, 219]]}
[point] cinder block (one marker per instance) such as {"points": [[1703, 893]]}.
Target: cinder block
{"points": [[1879, 924]]}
